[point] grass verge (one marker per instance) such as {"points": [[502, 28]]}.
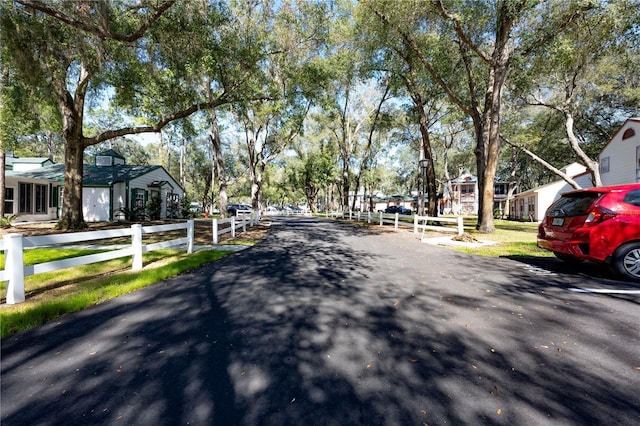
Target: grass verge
{"points": [[88, 292], [511, 239]]}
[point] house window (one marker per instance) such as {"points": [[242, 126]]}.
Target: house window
{"points": [[139, 199], [629, 133], [172, 205], [8, 200], [53, 196], [604, 165], [41, 199], [25, 197]]}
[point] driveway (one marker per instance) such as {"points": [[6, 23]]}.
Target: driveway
{"points": [[325, 323]]}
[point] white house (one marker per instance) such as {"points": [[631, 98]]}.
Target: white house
{"points": [[619, 163], [532, 204], [465, 196], [108, 188], [620, 158]]}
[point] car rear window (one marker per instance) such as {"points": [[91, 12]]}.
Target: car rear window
{"points": [[633, 197], [573, 204]]}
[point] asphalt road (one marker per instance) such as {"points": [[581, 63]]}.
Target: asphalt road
{"points": [[325, 323]]}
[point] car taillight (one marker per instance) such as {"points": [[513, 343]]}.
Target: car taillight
{"points": [[599, 215]]}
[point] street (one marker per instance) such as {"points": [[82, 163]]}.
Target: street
{"points": [[327, 323]]}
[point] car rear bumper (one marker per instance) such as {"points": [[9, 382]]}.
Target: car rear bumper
{"points": [[580, 249]]}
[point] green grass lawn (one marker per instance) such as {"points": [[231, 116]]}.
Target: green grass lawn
{"points": [[54, 294], [512, 239]]}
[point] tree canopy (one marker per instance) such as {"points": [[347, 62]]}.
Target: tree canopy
{"points": [[367, 88]]}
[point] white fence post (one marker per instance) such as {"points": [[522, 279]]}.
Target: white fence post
{"points": [[14, 268], [244, 223], [215, 231], [136, 247], [415, 224], [380, 218], [233, 226], [460, 226], [190, 229], [395, 225], [368, 217]]}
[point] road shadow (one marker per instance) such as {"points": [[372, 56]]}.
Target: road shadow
{"points": [[324, 324]]}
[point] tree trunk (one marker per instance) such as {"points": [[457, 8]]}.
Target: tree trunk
{"points": [[72, 110], [432, 209], [499, 65], [4, 81], [257, 198], [216, 145], [183, 160], [345, 184], [592, 166], [3, 167], [72, 217]]}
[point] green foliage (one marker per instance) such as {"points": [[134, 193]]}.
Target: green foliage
{"points": [[5, 221], [133, 213], [185, 207], [154, 207]]}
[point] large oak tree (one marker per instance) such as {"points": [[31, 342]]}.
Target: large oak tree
{"points": [[97, 51]]}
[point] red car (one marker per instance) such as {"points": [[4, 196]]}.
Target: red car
{"points": [[596, 224]]}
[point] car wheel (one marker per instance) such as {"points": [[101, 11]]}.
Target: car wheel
{"points": [[626, 261], [566, 257]]}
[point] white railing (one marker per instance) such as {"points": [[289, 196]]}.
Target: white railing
{"points": [[459, 225], [418, 222], [13, 246], [235, 222]]}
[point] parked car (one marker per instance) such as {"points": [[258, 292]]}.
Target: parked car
{"points": [[271, 211], [598, 225], [236, 209], [404, 210], [398, 209]]}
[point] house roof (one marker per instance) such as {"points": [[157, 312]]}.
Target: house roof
{"points": [[635, 119], [92, 175], [31, 162], [52, 173], [26, 160]]}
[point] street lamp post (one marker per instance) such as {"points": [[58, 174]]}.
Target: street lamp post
{"points": [[424, 164]]}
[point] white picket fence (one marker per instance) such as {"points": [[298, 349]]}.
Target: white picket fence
{"points": [[234, 222], [418, 222], [13, 246]]}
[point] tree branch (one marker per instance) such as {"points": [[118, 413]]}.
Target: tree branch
{"points": [[552, 34], [459, 31], [539, 160], [111, 134], [103, 33], [411, 44]]}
